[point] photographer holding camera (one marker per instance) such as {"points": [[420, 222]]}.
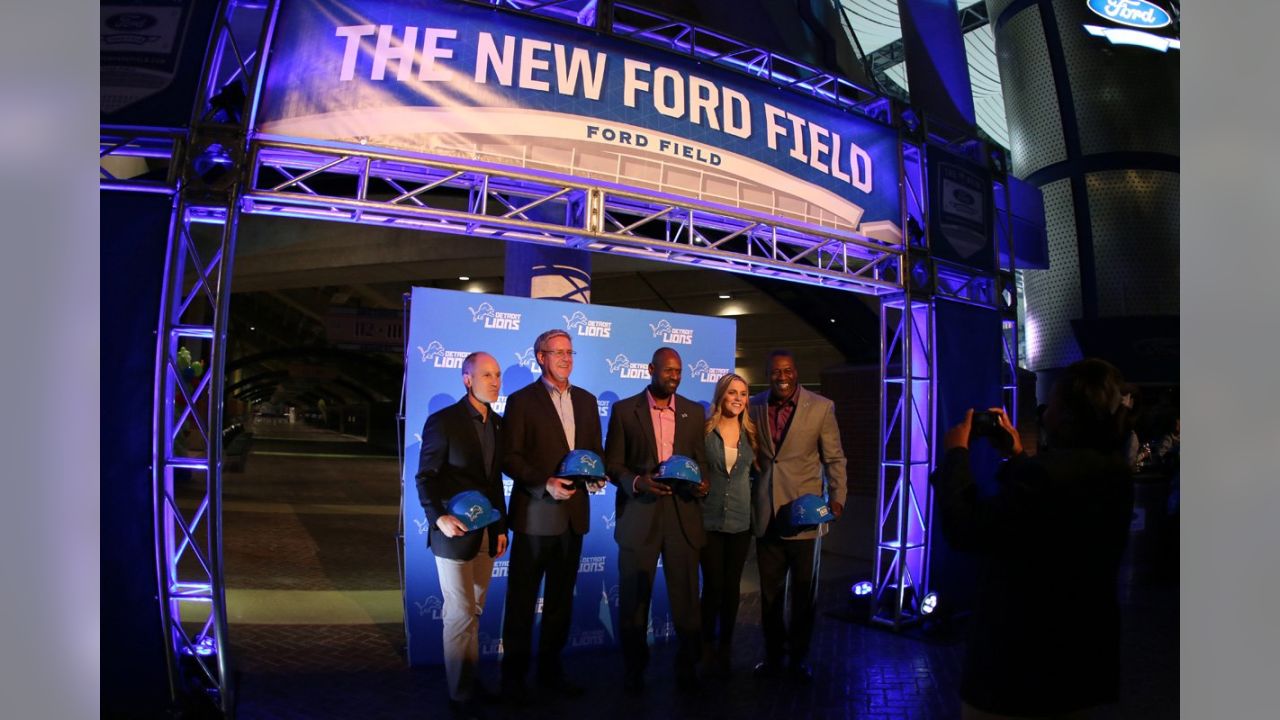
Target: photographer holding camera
{"points": [[1045, 638]]}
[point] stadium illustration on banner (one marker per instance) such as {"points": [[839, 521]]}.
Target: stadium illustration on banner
{"points": [[437, 79]]}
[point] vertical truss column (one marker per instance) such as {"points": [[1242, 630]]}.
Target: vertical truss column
{"points": [[904, 501], [190, 358], [188, 450]]}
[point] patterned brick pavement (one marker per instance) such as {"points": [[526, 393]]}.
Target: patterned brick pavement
{"points": [[358, 670]]}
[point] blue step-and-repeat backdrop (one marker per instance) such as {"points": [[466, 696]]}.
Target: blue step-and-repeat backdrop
{"points": [[614, 346]]}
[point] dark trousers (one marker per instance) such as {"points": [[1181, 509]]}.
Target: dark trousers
{"points": [[779, 559], [637, 568], [533, 557], [723, 557]]}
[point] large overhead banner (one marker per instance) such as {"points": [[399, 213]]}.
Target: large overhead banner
{"points": [[456, 80], [613, 349]]}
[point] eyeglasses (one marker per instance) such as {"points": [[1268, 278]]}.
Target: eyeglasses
{"points": [[561, 353]]}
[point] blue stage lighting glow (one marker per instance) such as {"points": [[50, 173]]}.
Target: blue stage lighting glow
{"points": [[863, 587], [929, 604]]}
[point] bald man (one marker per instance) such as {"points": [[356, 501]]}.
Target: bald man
{"points": [[657, 519], [462, 450]]}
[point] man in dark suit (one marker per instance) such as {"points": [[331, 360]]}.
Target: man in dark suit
{"points": [[549, 514], [462, 450], [800, 446], [654, 518]]}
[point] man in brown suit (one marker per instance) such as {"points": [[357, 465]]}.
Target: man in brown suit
{"points": [[800, 446]]}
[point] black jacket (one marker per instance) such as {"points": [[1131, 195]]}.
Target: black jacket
{"points": [[1045, 635], [534, 445], [452, 461], [631, 450]]}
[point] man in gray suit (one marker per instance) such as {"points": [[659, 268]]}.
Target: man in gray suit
{"points": [[655, 518], [799, 444]]}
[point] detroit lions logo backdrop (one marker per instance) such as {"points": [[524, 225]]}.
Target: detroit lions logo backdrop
{"points": [[614, 346]]}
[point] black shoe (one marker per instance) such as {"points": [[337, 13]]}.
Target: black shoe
{"points": [[768, 669], [561, 686], [633, 684], [800, 672], [724, 662], [464, 710], [485, 696], [515, 693]]}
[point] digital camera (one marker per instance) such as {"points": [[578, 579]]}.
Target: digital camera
{"points": [[987, 424]]}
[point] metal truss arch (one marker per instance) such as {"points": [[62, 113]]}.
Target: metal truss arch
{"points": [[283, 177]]}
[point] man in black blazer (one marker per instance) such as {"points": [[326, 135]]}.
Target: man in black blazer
{"points": [[462, 450], [549, 515], [654, 518]]}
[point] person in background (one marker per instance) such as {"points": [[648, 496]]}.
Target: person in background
{"points": [[462, 451], [1045, 633], [731, 446]]}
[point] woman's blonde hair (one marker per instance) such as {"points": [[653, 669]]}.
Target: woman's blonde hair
{"points": [[744, 418]]}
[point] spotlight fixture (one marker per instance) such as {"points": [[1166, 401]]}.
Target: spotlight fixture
{"points": [[862, 588], [929, 603], [464, 278], [725, 296]]}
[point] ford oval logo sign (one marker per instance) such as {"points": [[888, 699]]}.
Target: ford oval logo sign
{"points": [[1134, 13]]}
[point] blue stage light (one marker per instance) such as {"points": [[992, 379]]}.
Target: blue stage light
{"points": [[929, 604], [862, 587]]}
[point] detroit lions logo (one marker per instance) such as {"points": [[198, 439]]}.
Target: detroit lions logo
{"points": [[528, 359], [579, 324], [436, 354], [418, 437], [577, 321], [490, 645], [484, 311], [431, 605], [622, 366], [703, 371], [670, 334], [474, 512], [590, 463], [618, 362], [494, 320], [610, 520], [422, 524], [434, 349]]}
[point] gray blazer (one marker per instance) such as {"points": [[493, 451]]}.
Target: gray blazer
{"points": [[810, 450]]}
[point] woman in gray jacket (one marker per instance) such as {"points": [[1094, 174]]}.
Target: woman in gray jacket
{"points": [[732, 444]]}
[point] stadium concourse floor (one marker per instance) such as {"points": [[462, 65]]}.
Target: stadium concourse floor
{"points": [[315, 610]]}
